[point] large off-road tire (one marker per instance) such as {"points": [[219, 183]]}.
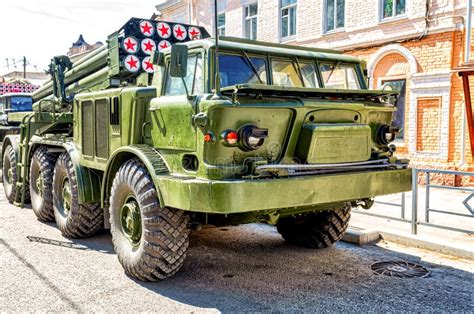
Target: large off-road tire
{"points": [[10, 177], [150, 241], [73, 219], [315, 230], [41, 184]]}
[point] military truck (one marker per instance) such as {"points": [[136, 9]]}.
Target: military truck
{"points": [[13, 107], [151, 147]]}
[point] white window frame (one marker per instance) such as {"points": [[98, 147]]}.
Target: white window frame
{"points": [[221, 28], [325, 18], [250, 18], [290, 6], [395, 16]]}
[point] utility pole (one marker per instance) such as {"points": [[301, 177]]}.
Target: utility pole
{"points": [[24, 67], [8, 64]]}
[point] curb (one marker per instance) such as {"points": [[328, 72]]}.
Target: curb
{"points": [[447, 248], [370, 236], [361, 236]]}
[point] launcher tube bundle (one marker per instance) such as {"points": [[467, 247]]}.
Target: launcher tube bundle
{"points": [[127, 55]]}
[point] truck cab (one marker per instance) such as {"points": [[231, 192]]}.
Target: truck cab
{"points": [[12, 103]]}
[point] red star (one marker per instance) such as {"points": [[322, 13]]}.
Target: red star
{"points": [[146, 28], [179, 32], [164, 45], [163, 30], [129, 45], [132, 63], [194, 33], [148, 65], [149, 46]]}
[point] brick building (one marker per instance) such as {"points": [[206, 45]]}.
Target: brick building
{"points": [[413, 45]]}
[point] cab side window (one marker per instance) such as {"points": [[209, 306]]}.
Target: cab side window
{"points": [[194, 78]]}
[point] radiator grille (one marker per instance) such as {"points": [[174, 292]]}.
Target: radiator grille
{"points": [[87, 128], [102, 128]]}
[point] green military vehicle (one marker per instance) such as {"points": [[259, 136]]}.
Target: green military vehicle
{"points": [[13, 108], [148, 145]]}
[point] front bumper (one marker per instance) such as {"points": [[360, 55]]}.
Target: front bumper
{"points": [[239, 196]]}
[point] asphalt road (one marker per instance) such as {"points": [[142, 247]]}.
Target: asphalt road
{"points": [[247, 268]]}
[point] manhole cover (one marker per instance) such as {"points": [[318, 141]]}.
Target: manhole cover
{"points": [[400, 269]]}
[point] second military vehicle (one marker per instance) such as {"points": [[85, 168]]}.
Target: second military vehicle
{"points": [[13, 107], [139, 138]]}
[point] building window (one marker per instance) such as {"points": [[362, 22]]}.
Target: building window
{"points": [[288, 18], [251, 16], [221, 24], [393, 8], [334, 11]]}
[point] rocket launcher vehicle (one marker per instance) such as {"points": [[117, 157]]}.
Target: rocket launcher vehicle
{"points": [[126, 59]]}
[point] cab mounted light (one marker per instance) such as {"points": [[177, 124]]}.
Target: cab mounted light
{"points": [[230, 138], [209, 137]]}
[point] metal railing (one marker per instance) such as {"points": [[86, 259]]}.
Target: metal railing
{"points": [[414, 218], [428, 209], [402, 206]]}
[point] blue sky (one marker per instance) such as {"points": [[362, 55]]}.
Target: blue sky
{"points": [[40, 29]]}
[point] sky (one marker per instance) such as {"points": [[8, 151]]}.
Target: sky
{"points": [[41, 29]]}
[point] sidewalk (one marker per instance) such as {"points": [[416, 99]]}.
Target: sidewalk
{"points": [[460, 244]]}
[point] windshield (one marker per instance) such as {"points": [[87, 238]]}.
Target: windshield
{"points": [[294, 74], [21, 103], [339, 76], [242, 69]]}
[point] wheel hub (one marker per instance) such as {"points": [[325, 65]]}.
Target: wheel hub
{"points": [[39, 184], [132, 221], [66, 191], [10, 175]]}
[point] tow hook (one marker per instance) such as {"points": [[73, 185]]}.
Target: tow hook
{"points": [[366, 203]]}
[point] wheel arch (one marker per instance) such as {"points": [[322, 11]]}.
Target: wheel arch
{"points": [[151, 159], [89, 182]]}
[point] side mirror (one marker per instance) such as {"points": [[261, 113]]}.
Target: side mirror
{"points": [[179, 61]]}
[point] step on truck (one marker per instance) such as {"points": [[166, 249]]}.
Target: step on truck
{"points": [[138, 138]]}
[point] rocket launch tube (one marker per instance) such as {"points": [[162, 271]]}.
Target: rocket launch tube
{"points": [[81, 69], [96, 78]]}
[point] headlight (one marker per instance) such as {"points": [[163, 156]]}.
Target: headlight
{"points": [[251, 137], [385, 134]]}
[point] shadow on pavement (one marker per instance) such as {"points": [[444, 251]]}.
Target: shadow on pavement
{"points": [[101, 242], [252, 268]]}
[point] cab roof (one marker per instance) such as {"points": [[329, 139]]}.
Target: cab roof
{"points": [[15, 94], [234, 43]]}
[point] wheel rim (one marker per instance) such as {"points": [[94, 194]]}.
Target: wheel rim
{"points": [[131, 221], [10, 176], [39, 184], [66, 196]]}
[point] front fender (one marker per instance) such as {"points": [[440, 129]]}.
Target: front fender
{"points": [[152, 160]]}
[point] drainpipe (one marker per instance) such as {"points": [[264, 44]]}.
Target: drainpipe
{"points": [[467, 53], [463, 138]]}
